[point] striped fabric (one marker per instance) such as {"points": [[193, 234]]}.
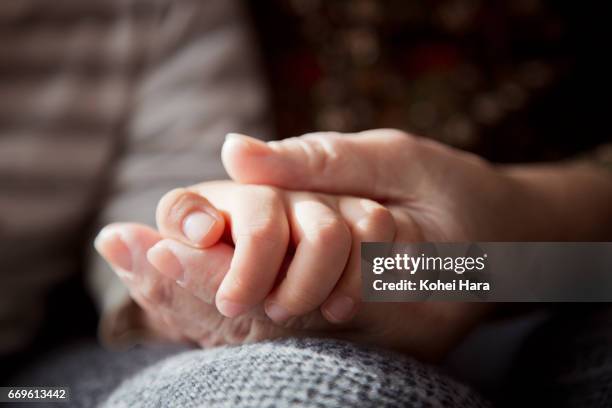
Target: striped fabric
{"points": [[104, 106]]}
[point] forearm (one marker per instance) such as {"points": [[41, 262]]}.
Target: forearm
{"points": [[564, 202]]}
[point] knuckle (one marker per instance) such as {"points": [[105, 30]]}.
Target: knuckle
{"points": [[305, 321], [171, 196], [265, 193], [160, 294], [263, 232], [207, 340], [266, 227], [378, 220], [299, 300], [398, 139], [322, 151], [331, 232], [237, 330], [167, 202], [174, 206]]}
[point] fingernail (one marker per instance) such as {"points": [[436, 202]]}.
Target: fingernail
{"points": [[197, 225], [164, 260], [276, 312], [230, 309], [255, 146], [110, 245], [340, 308]]}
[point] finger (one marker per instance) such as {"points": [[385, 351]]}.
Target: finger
{"points": [[188, 217], [374, 164], [120, 245], [123, 246], [261, 235], [112, 247], [200, 271], [259, 229], [369, 222], [160, 296], [322, 247]]}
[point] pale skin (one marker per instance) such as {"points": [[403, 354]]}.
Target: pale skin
{"points": [[275, 251]]}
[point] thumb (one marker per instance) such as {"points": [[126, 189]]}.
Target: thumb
{"points": [[375, 163]]}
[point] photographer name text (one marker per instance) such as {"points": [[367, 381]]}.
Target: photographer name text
{"points": [[431, 285]]}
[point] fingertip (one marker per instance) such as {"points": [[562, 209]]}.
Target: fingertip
{"points": [[203, 229], [276, 312], [190, 218], [165, 261], [230, 308], [237, 142], [241, 156], [339, 309], [113, 248], [230, 297]]}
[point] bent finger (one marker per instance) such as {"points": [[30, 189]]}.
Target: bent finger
{"points": [[322, 248], [368, 221], [200, 271], [188, 217]]}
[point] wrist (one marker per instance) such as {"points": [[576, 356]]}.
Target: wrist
{"points": [[562, 202]]}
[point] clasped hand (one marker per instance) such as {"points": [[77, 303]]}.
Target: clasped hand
{"points": [[276, 251]]}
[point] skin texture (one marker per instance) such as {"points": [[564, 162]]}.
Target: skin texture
{"points": [[281, 256]]}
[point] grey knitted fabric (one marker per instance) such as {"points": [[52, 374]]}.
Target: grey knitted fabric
{"points": [[567, 362], [292, 373], [90, 371]]}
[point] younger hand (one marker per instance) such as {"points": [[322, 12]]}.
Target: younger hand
{"points": [[293, 252]]}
